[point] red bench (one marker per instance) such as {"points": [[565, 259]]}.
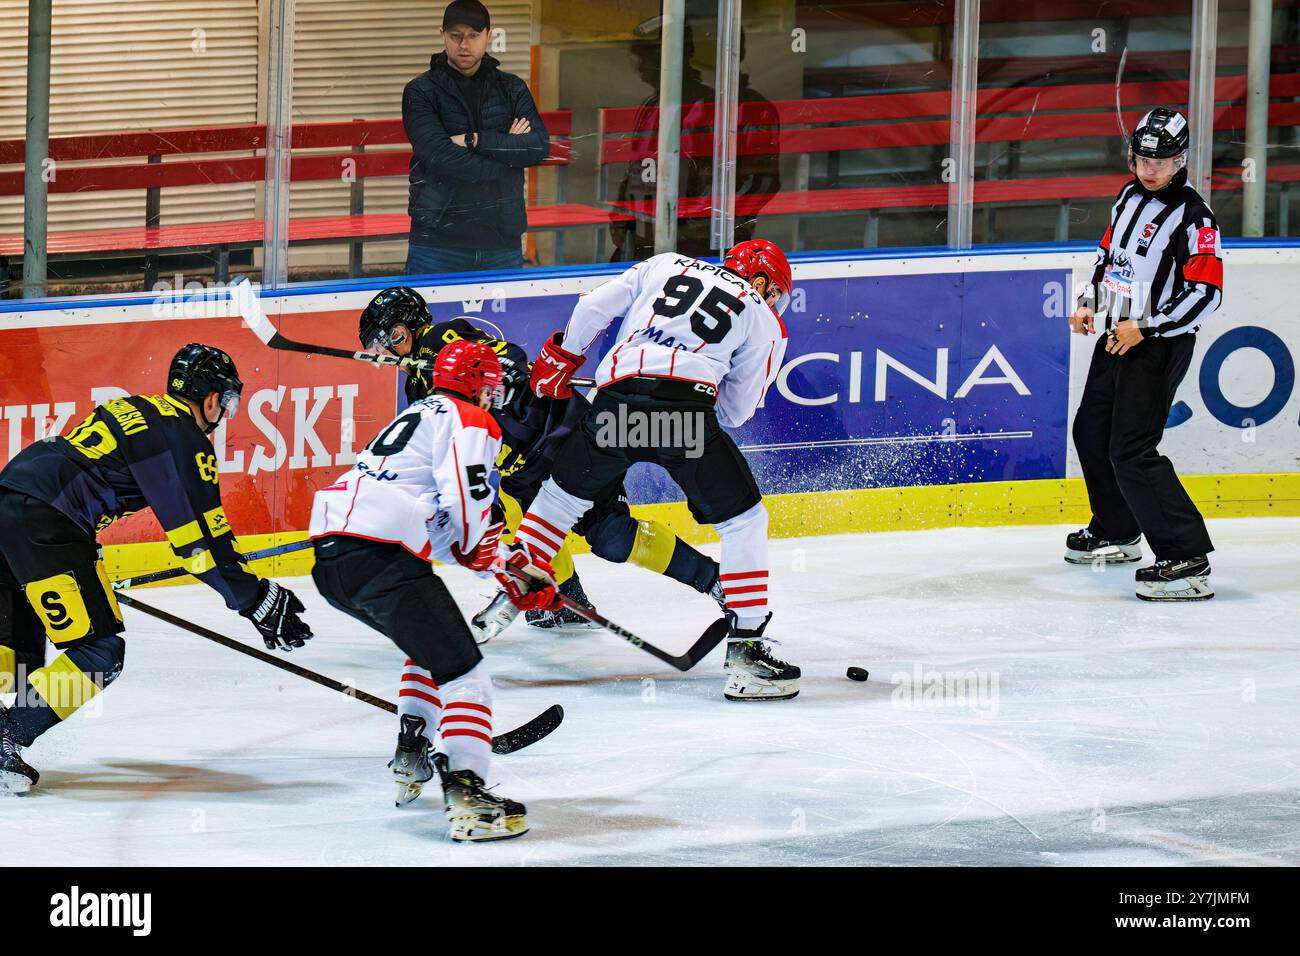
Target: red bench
{"points": [[840, 81], [346, 143], [846, 124]]}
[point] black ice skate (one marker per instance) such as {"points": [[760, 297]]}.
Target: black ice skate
{"points": [[1084, 547], [494, 618], [475, 813], [1187, 579], [752, 672], [16, 776], [410, 764], [564, 617]]}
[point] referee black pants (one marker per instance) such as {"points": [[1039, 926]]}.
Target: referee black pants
{"points": [[1132, 488]]}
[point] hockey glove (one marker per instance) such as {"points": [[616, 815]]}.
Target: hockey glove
{"points": [[553, 369], [535, 590], [275, 615], [482, 555]]}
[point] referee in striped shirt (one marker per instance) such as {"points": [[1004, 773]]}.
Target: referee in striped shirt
{"points": [[1159, 274]]}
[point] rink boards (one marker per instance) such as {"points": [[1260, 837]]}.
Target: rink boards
{"points": [[918, 390]]}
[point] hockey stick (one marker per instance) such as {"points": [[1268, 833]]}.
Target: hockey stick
{"points": [[167, 574], [711, 638], [522, 736], [249, 307]]}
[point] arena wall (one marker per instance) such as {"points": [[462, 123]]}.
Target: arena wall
{"points": [[921, 389]]}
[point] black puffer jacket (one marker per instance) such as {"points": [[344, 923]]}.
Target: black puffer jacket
{"points": [[489, 180]]}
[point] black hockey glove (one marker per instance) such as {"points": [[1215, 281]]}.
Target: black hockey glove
{"points": [[275, 615]]}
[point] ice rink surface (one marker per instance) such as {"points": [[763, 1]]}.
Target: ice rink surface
{"points": [[1020, 711]]}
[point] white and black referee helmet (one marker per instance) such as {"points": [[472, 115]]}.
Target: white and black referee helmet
{"points": [[1162, 134]]}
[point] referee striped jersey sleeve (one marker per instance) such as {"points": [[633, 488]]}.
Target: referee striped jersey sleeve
{"points": [[1198, 278]]}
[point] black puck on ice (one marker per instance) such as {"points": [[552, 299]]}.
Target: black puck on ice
{"points": [[856, 673]]}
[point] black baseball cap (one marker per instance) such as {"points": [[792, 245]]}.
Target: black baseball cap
{"points": [[469, 13]]}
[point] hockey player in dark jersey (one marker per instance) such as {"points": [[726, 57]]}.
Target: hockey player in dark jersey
{"points": [[142, 451], [398, 321]]}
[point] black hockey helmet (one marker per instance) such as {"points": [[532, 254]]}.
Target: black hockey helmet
{"points": [[388, 308], [1162, 134], [199, 370]]}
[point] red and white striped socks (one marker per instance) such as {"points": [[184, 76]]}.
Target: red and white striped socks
{"points": [[744, 547], [460, 710], [549, 518], [744, 565], [746, 593]]}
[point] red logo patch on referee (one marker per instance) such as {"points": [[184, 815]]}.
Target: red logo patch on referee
{"points": [[1207, 240]]}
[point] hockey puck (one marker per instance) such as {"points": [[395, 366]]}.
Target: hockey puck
{"points": [[856, 673]]}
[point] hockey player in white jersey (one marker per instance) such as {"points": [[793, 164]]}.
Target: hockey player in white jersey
{"points": [[425, 488], [697, 347]]}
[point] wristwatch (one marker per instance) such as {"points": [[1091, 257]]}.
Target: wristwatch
{"points": [[471, 139]]}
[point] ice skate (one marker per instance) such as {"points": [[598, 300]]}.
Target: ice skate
{"points": [[410, 764], [475, 813], [16, 776], [1084, 547], [1187, 579], [572, 589], [752, 672], [494, 618]]}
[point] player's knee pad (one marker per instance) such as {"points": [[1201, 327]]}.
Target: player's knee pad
{"points": [[76, 677], [613, 537]]}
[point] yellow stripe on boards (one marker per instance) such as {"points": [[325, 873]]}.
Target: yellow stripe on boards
{"points": [[977, 504]]}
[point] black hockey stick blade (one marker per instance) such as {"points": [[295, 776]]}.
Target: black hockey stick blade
{"points": [[525, 735], [249, 307], [713, 635], [250, 310], [710, 639]]}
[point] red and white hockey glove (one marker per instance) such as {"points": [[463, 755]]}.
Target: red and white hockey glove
{"points": [[535, 590], [553, 369], [482, 556]]}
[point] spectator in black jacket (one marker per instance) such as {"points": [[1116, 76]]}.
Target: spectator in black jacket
{"points": [[474, 129]]}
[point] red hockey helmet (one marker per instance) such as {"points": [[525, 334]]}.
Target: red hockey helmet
{"points": [[468, 369], [760, 257]]}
